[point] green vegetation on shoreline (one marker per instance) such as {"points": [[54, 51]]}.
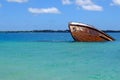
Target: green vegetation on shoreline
{"points": [[65, 31], [35, 31]]}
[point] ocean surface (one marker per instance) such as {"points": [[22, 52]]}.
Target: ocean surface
{"points": [[55, 56]]}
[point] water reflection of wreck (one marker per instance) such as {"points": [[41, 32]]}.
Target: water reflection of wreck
{"points": [[86, 33]]}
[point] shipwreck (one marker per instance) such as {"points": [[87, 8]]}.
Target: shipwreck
{"points": [[86, 33]]}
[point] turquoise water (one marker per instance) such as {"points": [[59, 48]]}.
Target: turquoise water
{"points": [[54, 56]]}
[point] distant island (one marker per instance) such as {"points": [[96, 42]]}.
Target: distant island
{"points": [[111, 30], [35, 31], [62, 31]]}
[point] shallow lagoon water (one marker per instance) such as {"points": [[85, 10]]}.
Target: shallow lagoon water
{"points": [[47, 56]]}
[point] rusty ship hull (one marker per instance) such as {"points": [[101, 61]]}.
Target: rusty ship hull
{"points": [[86, 33]]}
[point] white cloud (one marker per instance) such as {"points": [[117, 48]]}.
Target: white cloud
{"points": [[18, 1], [115, 2], [88, 5], [52, 10], [66, 2]]}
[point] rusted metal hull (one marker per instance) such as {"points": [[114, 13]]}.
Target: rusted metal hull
{"points": [[85, 33]]}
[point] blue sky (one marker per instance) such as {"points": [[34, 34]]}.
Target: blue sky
{"points": [[56, 14]]}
